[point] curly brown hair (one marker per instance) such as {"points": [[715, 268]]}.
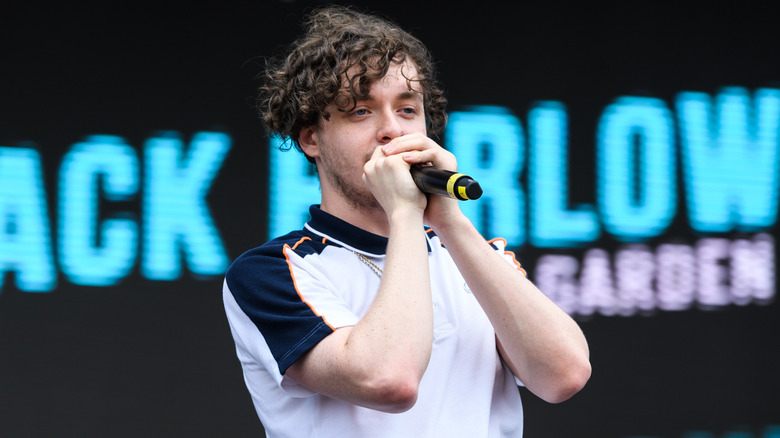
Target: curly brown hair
{"points": [[341, 44]]}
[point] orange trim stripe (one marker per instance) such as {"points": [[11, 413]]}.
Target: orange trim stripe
{"points": [[511, 253], [295, 282], [303, 239]]}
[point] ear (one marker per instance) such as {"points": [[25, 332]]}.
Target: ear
{"points": [[309, 141]]}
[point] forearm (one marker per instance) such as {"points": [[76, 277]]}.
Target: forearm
{"points": [[543, 345], [379, 362], [396, 334]]}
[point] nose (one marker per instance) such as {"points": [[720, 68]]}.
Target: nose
{"points": [[389, 127]]}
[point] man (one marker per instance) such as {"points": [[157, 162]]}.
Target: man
{"points": [[388, 314]]}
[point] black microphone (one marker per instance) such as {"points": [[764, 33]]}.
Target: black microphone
{"points": [[431, 179]]}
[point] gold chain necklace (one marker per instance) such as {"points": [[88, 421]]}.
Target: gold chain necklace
{"points": [[371, 265]]}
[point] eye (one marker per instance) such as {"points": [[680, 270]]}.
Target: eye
{"points": [[359, 112]]}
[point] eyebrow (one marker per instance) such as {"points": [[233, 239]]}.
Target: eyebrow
{"points": [[403, 96]]}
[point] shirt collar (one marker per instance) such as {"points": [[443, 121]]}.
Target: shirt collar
{"points": [[345, 234]]}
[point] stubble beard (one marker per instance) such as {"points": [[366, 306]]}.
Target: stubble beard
{"points": [[357, 195], [360, 198]]}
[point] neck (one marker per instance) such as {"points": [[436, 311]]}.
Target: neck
{"points": [[370, 218]]}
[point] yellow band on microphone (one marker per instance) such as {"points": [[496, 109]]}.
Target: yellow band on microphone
{"points": [[451, 186]]}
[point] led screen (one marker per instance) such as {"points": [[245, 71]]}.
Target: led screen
{"points": [[629, 157]]}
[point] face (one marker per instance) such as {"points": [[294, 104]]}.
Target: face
{"points": [[345, 142]]}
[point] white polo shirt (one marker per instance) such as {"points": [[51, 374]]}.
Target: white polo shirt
{"points": [[288, 294]]}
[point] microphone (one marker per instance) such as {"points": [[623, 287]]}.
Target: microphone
{"points": [[431, 179]]}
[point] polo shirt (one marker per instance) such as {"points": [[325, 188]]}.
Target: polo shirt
{"points": [[286, 295]]}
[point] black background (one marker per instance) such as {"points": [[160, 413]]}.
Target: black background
{"points": [[151, 358]]}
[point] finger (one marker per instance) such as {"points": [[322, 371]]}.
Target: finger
{"points": [[378, 153], [438, 157], [380, 164], [413, 157], [409, 142]]}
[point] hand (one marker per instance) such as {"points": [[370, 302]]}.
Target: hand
{"points": [[419, 148], [390, 181]]}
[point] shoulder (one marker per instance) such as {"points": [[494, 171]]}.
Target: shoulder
{"points": [[274, 254], [499, 244]]}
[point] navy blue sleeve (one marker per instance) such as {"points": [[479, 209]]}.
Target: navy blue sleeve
{"points": [[263, 285]]}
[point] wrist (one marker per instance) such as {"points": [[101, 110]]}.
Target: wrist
{"points": [[452, 222], [409, 216]]}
